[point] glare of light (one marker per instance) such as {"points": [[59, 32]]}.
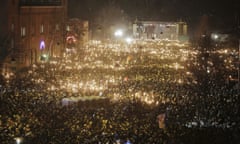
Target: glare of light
{"points": [[118, 33], [42, 45], [7, 75], [180, 81], [71, 38], [18, 140], [128, 142], [188, 73], [44, 55], [118, 141], [216, 36], [129, 40], [225, 51], [52, 88], [176, 66]]}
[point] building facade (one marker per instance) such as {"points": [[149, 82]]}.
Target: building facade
{"points": [[37, 30], [160, 30], [76, 32]]}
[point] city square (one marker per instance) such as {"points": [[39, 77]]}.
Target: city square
{"points": [[119, 72], [114, 92]]}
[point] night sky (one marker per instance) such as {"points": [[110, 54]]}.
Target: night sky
{"points": [[222, 13], [3, 17]]}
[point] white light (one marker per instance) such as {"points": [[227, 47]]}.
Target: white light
{"points": [[44, 55], [129, 40], [18, 140], [118, 33], [215, 36]]}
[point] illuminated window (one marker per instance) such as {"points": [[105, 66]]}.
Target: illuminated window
{"points": [[57, 27], [23, 31], [68, 28], [41, 28]]}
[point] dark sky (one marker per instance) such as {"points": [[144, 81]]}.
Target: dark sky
{"points": [[223, 13], [156, 7], [3, 17]]}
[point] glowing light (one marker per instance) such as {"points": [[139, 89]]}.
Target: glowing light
{"points": [[128, 142], [71, 39], [129, 40], [18, 140], [225, 51], [216, 36], [44, 55], [180, 81], [176, 66], [42, 45], [118, 33]]}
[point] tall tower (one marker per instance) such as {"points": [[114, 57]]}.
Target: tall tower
{"points": [[37, 29]]}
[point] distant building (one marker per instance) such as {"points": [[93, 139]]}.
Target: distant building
{"points": [[160, 30], [36, 29]]}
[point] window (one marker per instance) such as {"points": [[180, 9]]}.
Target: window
{"points": [[23, 31], [57, 27], [41, 28], [67, 28]]}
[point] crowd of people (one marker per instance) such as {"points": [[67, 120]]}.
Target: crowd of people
{"points": [[132, 85]]}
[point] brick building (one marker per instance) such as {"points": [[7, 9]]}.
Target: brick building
{"points": [[36, 29]]}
